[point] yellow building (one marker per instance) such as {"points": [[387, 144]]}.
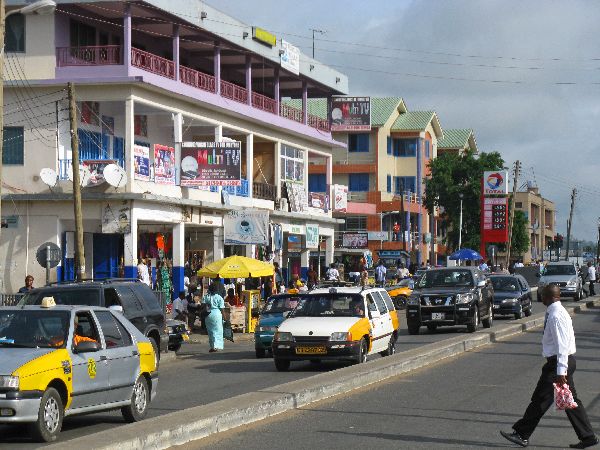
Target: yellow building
{"points": [[541, 214]]}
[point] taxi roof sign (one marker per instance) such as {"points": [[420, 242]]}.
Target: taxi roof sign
{"points": [[48, 302]]}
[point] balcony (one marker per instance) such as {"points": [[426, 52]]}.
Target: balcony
{"points": [[234, 92], [264, 191], [64, 165], [152, 63], [264, 103], [197, 79], [89, 56]]}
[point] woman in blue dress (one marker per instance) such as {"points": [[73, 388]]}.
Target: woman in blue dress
{"points": [[214, 320]]}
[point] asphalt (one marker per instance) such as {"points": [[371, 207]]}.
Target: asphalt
{"points": [[462, 402]]}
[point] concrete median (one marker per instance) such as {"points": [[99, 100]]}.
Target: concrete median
{"points": [[195, 423]]}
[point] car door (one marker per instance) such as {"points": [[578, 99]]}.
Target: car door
{"points": [[525, 297], [90, 370], [386, 316], [132, 308], [377, 324], [122, 357]]}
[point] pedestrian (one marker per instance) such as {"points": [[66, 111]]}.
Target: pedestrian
{"points": [[591, 277], [232, 298], [277, 278], [402, 272], [332, 273], [312, 278], [142, 272], [214, 320], [558, 347], [364, 276], [180, 307], [28, 285], [396, 230], [380, 272]]}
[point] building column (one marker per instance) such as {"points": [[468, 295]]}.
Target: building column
{"points": [[178, 257], [218, 133], [278, 168], [304, 264], [305, 176], [176, 50], [250, 250], [177, 140], [304, 102], [250, 163], [129, 140], [249, 78], [277, 93], [329, 249], [127, 37], [218, 244], [217, 69], [329, 170], [130, 254]]}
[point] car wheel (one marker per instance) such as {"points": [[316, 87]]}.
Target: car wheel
{"points": [[528, 311], [156, 349], [260, 352], [140, 399], [519, 315], [489, 320], [50, 417], [282, 365], [472, 327], [391, 348], [362, 352], [577, 297], [432, 327], [413, 328]]}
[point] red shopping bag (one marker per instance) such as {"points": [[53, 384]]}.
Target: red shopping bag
{"points": [[563, 397]]}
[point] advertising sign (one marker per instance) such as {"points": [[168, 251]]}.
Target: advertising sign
{"points": [[211, 164], [116, 219], [318, 200], [96, 168], [495, 182], [495, 219], [264, 37], [290, 57], [312, 236], [164, 164], [378, 235], [246, 227], [350, 114], [355, 240], [141, 163], [340, 198]]}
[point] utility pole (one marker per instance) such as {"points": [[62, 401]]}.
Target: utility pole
{"points": [[570, 223], [2, 25], [79, 255], [598, 243], [512, 210], [314, 30]]}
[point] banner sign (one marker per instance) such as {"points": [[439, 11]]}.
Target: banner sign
{"points": [[350, 114], [495, 219], [116, 219], [211, 164], [290, 57], [319, 201], [355, 240], [264, 37], [378, 235], [141, 163], [164, 164], [495, 182], [246, 227], [312, 236], [340, 198], [96, 168]]}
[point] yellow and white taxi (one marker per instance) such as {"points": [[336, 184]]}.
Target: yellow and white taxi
{"points": [[57, 361], [337, 323]]}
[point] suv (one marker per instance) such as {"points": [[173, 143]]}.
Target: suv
{"points": [[451, 296], [137, 301], [564, 274]]}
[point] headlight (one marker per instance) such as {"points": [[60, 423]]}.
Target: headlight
{"points": [[283, 337], [572, 283], [464, 298], [8, 382], [510, 300], [413, 300], [341, 336], [267, 329]]}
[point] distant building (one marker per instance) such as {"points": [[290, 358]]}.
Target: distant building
{"points": [[541, 214], [457, 141]]}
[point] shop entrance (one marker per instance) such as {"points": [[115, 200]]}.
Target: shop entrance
{"points": [[108, 251]]}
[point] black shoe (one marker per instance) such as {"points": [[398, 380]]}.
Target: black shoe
{"points": [[586, 443], [515, 438]]}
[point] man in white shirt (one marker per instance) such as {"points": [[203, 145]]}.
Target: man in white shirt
{"points": [[380, 272], [180, 307], [558, 347], [591, 277], [142, 270], [332, 273], [402, 272]]}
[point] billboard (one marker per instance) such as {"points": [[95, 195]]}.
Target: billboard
{"points": [[246, 227], [350, 114], [355, 240], [495, 182], [340, 197], [211, 164], [495, 219], [290, 57], [141, 162], [312, 236], [164, 164]]}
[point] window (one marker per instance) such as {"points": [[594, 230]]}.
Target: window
{"points": [[359, 182], [129, 300], [405, 184], [13, 149], [519, 205], [90, 145], [427, 144], [86, 327], [82, 35], [317, 182], [405, 147], [389, 183], [358, 142], [111, 331], [389, 145], [292, 164], [380, 303], [15, 33], [354, 223]]}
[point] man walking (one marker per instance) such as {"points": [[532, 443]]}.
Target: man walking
{"points": [[558, 347], [380, 272], [591, 277]]}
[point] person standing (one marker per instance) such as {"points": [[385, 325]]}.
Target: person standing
{"points": [[592, 277], [28, 285], [142, 271], [312, 278], [214, 320], [364, 277], [396, 230], [380, 272], [332, 273], [558, 347]]}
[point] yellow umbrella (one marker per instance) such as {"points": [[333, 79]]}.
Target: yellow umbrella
{"points": [[237, 267]]}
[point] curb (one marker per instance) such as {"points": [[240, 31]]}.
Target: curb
{"points": [[176, 428]]}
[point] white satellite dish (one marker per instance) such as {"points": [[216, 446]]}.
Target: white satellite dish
{"points": [[115, 176], [49, 176], [84, 175]]}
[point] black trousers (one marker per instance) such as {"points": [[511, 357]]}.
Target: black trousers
{"points": [[543, 398], [592, 291]]}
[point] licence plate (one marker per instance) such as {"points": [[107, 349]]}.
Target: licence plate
{"points": [[317, 350], [496, 306], [438, 316], [186, 337]]}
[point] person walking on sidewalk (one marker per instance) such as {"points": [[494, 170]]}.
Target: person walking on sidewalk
{"points": [[380, 272], [558, 347], [214, 321], [592, 277]]}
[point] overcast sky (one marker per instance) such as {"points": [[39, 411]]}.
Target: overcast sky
{"points": [[521, 74]]}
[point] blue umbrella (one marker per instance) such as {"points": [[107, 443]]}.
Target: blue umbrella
{"points": [[466, 253]]}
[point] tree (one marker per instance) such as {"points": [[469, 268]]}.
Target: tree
{"points": [[520, 235], [451, 175]]}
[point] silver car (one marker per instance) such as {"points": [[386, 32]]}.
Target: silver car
{"points": [[564, 274]]}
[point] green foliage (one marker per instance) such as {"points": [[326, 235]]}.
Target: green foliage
{"points": [[520, 235], [452, 175]]}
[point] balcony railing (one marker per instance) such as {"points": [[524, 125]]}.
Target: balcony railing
{"points": [[197, 79], [264, 191], [152, 63], [65, 164], [318, 123], [264, 103], [234, 92], [102, 55], [289, 112]]}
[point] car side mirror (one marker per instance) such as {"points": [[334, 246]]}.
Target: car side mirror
{"points": [[482, 284], [117, 308], [86, 347]]}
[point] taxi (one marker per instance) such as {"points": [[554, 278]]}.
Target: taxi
{"points": [[58, 361], [401, 292], [276, 309], [337, 323]]}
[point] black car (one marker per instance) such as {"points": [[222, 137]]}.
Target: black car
{"points": [[512, 295], [451, 296], [137, 301]]}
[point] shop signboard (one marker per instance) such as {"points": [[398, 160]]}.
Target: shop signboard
{"points": [[319, 200], [164, 164], [294, 244], [116, 219], [495, 182], [378, 235], [312, 236], [96, 168], [264, 37], [246, 227], [296, 229], [350, 114], [211, 163], [141, 163], [290, 57], [355, 240], [340, 198]]}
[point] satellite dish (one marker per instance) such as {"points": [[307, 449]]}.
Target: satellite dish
{"points": [[84, 175], [115, 176], [49, 177]]}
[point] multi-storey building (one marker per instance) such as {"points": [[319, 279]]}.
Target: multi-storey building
{"points": [[458, 141], [541, 216], [153, 73]]}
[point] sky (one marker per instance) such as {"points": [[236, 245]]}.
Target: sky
{"points": [[525, 76]]}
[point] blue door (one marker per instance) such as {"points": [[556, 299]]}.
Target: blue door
{"points": [[106, 255]]}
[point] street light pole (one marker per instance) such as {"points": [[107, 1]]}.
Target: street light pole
{"points": [[460, 221]]}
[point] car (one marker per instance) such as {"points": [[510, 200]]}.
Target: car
{"points": [[401, 292], [276, 309], [512, 295], [337, 323], [178, 334], [451, 296], [564, 274], [139, 304], [62, 360]]}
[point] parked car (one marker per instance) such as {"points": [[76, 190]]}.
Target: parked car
{"points": [[401, 292], [60, 361], [178, 334], [274, 312], [137, 301], [512, 295], [343, 324], [565, 275], [451, 296]]}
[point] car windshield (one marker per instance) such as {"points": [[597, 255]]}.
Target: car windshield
{"points": [[280, 304], [89, 297], [32, 329], [560, 269], [407, 282], [505, 284], [330, 305], [446, 278]]}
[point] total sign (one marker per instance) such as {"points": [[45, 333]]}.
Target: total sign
{"points": [[495, 182]]}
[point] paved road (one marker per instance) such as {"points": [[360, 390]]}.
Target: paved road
{"points": [[461, 403], [198, 377]]}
